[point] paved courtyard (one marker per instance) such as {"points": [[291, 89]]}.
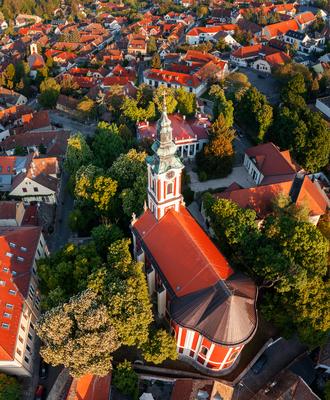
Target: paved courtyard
{"points": [[238, 175]]}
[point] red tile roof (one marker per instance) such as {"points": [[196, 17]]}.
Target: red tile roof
{"points": [[305, 17], [166, 76], [312, 196], [280, 28], [182, 235], [275, 166], [17, 278], [211, 29], [278, 58], [90, 387]]}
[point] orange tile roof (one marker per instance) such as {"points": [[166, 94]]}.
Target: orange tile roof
{"points": [[258, 198], [170, 239], [7, 163], [247, 51], [280, 28], [311, 195], [162, 75], [305, 17], [211, 29], [278, 58], [90, 387], [16, 278]]}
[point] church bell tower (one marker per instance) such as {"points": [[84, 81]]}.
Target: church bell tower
{"points": [[164, 170]]}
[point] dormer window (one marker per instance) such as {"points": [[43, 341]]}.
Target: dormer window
{"points": [[11, 244]]}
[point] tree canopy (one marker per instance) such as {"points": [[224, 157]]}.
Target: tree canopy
{"points": [[10, 389]]}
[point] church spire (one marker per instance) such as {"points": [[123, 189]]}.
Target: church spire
{"points": [[164, 169]]}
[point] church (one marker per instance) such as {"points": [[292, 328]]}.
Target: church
{"points": [[210, 308]]}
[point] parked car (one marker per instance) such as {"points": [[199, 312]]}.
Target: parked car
{"points": [[259, 364], [40, 393], [43, 370]]}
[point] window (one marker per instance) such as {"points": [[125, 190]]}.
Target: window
{"points": [[35, 189], [31, 326], [5, 326], [9, 306], [23, 327], [169, 188], [8, 168], [11, 244], [13, 272], [26, 359], [28, 348], [11, 291], [9, 254], [5, 269], [19, 352], [2, 283], [7, 315], [24, 190], [233, 355], [20, 339], [30, 336], [20, 259], [34, 271], [23, 249], [38, 252], [204, 350]]}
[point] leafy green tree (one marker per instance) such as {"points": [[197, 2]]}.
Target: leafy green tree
{"points": [[156, 62], [107, 144], [68, 85], [285, 72], [294, 92], [20, 151], [104, 235], [222, 105], [49, 92], [236, 84], [125, 379], [255, 112], [171, 102], [130, 171], [186, 102], [152, 46], [87, 108], [78, 335], [64, 273], [82, 219], [133, 113], [282, 205], [160, 347], [123, 287], [216, 158], [78, 153], [202, 11], [9, 76], [10, 389]]}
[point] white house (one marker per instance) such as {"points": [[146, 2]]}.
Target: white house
{"points": [[20, 247]]}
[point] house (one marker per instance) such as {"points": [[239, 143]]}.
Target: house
{"points": [[35, 60], [191, 389], [26, 19], [305, 19], [32, 122], [267, 62], [170, 79], [37, 182], [189, 134], [303, 43], [323, 104], [11, 213], [275, 173], [90, 387], [9, 167], [137, 44], [202, 34], [67, 104], [20, 247], [10, 98], [211, 309], [279, 29]]}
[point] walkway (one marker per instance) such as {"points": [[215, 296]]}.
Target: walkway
{"points": [[239, 175]]}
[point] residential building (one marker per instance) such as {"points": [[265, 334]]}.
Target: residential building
{"points": [[20, 247], [279, 29], [11, 213], [204, 34], [275, 173], [211, 309], [10, 98], [303, 43], [189, 134], [305, 19], [175, 80], [323, 104]]}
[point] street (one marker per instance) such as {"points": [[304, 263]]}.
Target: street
{"points": [[279, 355], [73, 125]]}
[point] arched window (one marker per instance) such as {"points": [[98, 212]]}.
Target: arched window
{"points": [[204, 350], [169, 188]]}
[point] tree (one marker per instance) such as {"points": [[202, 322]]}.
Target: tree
{"points": [[133, 113], [87, 108], [255, 112], [65, 273], [294, 92], [20, 151], [216, 158], [160, 347], [236, 85], [152, 46], [9, 76], [186, 102], [156, 62], [49, 92], [78, 153], [104, 235], [202, 11], [107, 144], [222, 105], [125, 379], [123, 288], [283, 205], [130, 171], [171, 102], [10, 389], [68, 85], [72, 333]]}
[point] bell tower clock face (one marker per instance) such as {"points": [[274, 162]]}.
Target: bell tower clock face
{"points": [[170, 175]]}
